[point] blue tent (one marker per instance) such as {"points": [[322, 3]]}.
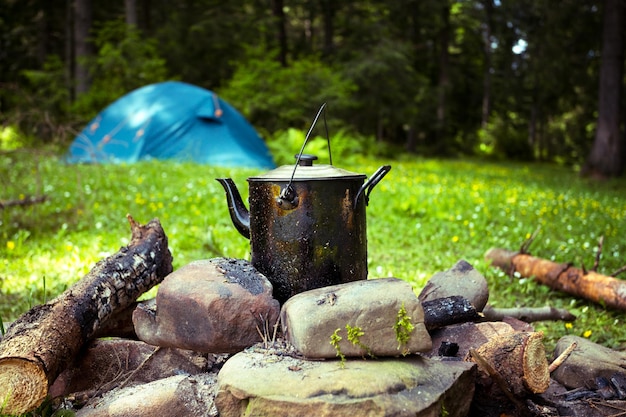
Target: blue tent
{"points": [[171, 120]]}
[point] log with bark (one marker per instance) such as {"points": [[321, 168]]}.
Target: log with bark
{"points": [[445, 311], [590, 285], [512, 367], [528, 314], [42, 342]]}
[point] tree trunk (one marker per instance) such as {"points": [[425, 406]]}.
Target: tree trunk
{"points": [[130, 10], [444, 76], [281, 30], [487, 52], [603, 289], [43, 341], [328, 15], [605, 158], [411, 140], [82, 49], [44, 32], [68, 50]]}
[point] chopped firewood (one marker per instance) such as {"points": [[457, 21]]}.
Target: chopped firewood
{"points": [[43, 341], [520, 359], [599, 288], [486, 367], [528, 314], [445, 311]]}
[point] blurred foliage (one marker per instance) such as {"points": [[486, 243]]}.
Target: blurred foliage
{"points": [[345, 148], [39, 110], [125, 60], [275, 97], [380, 66]]}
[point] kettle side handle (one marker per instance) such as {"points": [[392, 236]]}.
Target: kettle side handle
{"points": [[366, 188]]}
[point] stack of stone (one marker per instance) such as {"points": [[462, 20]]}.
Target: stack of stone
{"points": [[360, 348]]}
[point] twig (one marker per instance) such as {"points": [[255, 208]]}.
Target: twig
{"points": [[524, 248], [124, 382], [265, 334], [263, 337], [275, 330], [527, 314], [594, 404], [26, 201], [596, 263], [562, 357], [619, 271]]}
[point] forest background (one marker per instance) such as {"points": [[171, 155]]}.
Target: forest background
{"points": [[521, 79]]}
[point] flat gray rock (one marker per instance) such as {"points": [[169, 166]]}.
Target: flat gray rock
{"points": [[176, 396], [258, 383], [385, 312], [586, 362], [212, 306], [462, 279]]}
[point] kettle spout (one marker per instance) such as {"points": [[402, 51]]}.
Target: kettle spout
{"points": [[239, 214]]}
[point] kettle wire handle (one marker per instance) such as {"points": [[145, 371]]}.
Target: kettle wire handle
{"points": [[289, 189]]}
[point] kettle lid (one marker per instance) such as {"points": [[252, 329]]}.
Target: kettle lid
{"points": [[305, 170]]}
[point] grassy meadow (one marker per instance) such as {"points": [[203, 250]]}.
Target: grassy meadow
{"points": [[423, 217]]}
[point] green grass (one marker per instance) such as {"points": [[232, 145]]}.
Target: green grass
{"points": [[423, 217]]}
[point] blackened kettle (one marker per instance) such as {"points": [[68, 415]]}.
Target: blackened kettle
{"points": [[306, 223]]}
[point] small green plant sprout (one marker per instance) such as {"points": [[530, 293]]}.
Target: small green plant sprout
{"points": [[403, 328], [354, 336], [334, 340]]}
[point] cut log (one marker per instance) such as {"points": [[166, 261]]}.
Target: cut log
{"points": [[590, 285], [528, 314], [519, 359], [43, 341], [445, 311]]}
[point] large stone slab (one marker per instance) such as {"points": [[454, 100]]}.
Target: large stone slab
{"points": [[462, 279], [212, 306], [311, 318], [258, 383]]}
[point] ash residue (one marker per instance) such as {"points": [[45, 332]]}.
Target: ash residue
{"points": [[239, 271]]}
